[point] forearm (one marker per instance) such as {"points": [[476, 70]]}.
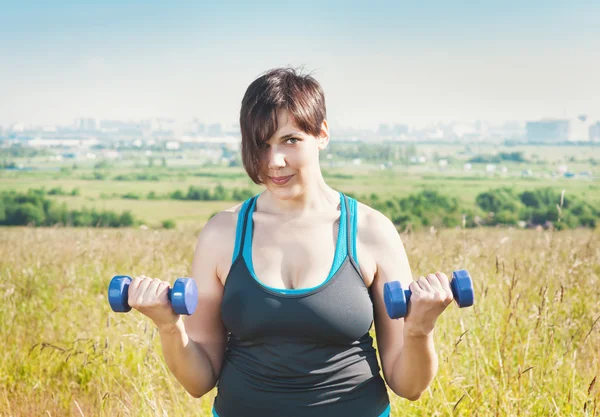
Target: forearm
{"points": [[415, 367], [187, 360]]}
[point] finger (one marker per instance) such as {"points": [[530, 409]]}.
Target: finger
{"points": [[444, 281], [161, 287], [132, 291], [445, 284], [434, 283], [163, 292], [424, 284], [151, 290], [414, 287], [142, 289]]}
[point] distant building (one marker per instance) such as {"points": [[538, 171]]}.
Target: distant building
{"points": [[172, 145], [462, 130], [595, 132], [392, 130], [87, 124], [18, 127], [580, 128], [214, 129], [39, 142], [400, 129], [548, 130], [122, 127]]}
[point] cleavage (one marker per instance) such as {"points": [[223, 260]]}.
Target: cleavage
{"points": [[296, 254]]}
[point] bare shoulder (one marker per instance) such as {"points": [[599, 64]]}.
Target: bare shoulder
{"points": [[221, 221], [383, 245], [218, 238], [375, 234], [374, 227]]}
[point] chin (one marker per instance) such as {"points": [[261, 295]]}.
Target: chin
{"points": [[285, 193]]}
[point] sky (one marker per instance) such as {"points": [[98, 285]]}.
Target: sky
{"points": [[402, 62]]}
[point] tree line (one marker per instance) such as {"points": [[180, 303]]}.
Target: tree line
{"points": [[34, 208], [498, 207]]}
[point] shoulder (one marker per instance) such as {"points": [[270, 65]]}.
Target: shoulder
{"points": [[382, 243], [377, 241], [221, 222], [373, 226], [217, 238], [221, 227]]}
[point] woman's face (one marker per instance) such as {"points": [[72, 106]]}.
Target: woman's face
{"points": [[290, 158]]}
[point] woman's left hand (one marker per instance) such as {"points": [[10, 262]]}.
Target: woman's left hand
{"points": [[429, 298]]}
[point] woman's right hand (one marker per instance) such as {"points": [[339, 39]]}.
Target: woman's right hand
{"points": [[150, 297]]}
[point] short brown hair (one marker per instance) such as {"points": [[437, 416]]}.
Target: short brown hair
{"points": [[278, 89]]}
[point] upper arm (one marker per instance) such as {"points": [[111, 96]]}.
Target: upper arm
{"points": [[391, 264], [205, 326]]}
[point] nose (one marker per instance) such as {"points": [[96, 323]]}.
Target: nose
{"points": [[276, 159]]}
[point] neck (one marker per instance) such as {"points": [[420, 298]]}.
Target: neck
{"points": [[316, 197]]}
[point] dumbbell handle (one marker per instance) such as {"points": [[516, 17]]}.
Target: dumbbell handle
{"points": [[397, 299], [408, 293], [183, 295], [115, 293]]}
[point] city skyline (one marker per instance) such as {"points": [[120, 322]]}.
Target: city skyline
{"points": [[580, 129], [98, 123], [394, 63]]}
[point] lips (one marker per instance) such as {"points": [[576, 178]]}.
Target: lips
{"points": [[280, 180]]}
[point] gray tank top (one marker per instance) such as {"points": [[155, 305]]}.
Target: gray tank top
{"points": [[299, 353]]}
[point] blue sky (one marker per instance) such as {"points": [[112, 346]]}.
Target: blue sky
{"points": [[378, 61]]}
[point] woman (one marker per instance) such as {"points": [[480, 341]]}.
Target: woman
{"points": [[291, 281]]}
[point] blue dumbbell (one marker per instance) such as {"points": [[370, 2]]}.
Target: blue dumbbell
{"points": [[183, 295], [396, 299]]}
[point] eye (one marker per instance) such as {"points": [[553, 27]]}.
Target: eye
{"points": [[295, 140]]}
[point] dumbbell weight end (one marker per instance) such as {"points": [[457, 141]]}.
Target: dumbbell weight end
{"points": [[183, 295], [396, 299]]}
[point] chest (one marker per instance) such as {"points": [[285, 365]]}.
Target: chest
{"points": [[339, 312], [297, 253]]}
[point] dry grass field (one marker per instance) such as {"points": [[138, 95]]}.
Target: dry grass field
{"points": [[530, 346]]}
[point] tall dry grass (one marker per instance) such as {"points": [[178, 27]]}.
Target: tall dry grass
{"points": [[530, 346]]}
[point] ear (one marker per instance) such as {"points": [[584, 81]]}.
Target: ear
{"points": [[324, 136]]}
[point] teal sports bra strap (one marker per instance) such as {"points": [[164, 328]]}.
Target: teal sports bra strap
{"points": [[240, 230], [351, 226]]}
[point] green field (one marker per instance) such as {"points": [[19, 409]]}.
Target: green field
{"points": [[397, 178], [362, 181]]}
